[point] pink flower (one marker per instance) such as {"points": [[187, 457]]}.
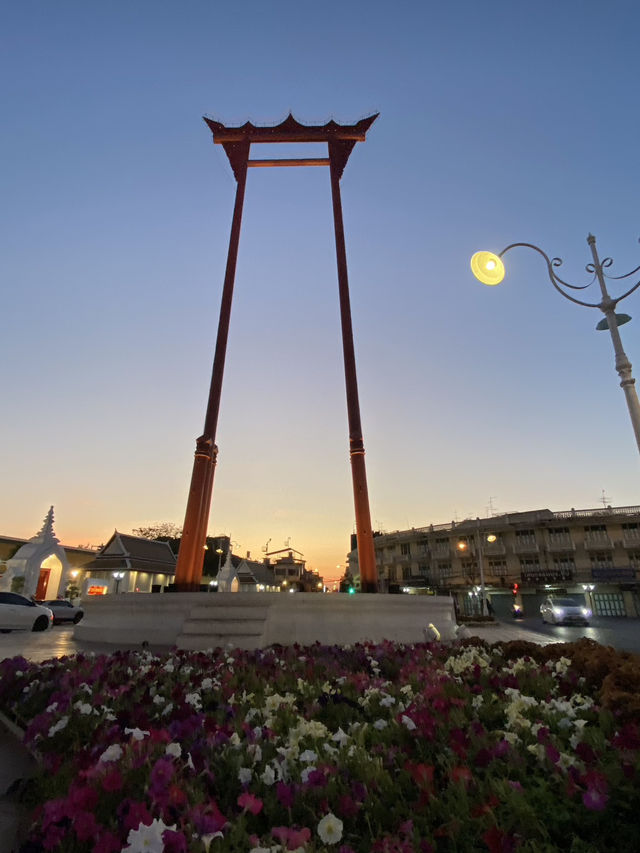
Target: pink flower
{"points": [[85, 826], [291, 838], [250, 803]]}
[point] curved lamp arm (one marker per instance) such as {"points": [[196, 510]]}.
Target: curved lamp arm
{"points": [[555, 280]]}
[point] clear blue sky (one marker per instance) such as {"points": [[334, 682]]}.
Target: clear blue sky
{"points": [[499, 122]]}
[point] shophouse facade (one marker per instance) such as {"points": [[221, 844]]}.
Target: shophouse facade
{"points": [[590, 554]]}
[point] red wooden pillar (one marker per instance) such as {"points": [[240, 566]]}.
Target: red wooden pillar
{"points": [[194, 531], [364, 533]]}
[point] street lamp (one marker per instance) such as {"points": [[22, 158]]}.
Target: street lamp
{"points": [[489, 269], [588, 588], [463, 546], [118, 577]]}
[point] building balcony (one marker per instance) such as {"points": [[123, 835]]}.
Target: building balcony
{"points": [[560, 542], [538, 577], [494, 549], [526, 546], [631, 539], [597, 541]]}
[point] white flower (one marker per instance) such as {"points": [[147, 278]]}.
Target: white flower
{"points": [[388, 701], [167, 709], [380, 724], [168, 667], [206, 683], [308, 756], [408, 722], [234, 740], [158, 699], [147, 839], [83, 707], [174, 750], [330, 829], [57, 727], [190, 762], [137, 734], [207, 839], [194, 700], [268, 776], [111, 753], [244, 775], [340, 737], [52, 707]]}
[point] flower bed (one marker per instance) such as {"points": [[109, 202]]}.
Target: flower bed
{"points": [[385, 748]]}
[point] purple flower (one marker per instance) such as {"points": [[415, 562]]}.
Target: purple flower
{"points": [[160, 776], [286, 794]]}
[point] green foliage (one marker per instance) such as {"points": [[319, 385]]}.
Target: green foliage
{"points": [[17, 584]]}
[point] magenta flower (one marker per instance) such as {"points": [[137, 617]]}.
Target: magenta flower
{"points": [[107, 843], [85, 826], [112, 780], [174, 842], [286, 794], [160, 776]]}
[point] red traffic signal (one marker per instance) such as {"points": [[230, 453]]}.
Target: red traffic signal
{"points": [[514, 588]]}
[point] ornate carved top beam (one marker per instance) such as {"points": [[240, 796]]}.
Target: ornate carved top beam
{"points": [[289, 130]]}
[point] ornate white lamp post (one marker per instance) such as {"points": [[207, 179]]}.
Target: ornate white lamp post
{"points": [[489, 269]]}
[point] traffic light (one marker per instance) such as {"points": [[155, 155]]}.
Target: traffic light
{"points": [[514, 588], [352, 590]]}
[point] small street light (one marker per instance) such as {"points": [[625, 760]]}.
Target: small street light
{"points": [[588, 588], [489, 269], [118, 576]]}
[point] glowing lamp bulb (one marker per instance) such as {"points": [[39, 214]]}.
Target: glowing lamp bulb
{"points": [[487, 268]]}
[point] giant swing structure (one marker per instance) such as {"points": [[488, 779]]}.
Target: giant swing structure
{"points": [[236, 142]]}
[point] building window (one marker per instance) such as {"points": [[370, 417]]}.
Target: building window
{"points": [[563, 563], [445, 569], [634, 559], [392, 573], [405, 549], [497, 567], [601, 561], [532, 565], [595, 528], [562, 531], [423, 569], [406, 573], [630, 525]]}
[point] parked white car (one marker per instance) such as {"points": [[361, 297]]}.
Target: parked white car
{"points": [[63, 610], [564, 610], [19, 613]]}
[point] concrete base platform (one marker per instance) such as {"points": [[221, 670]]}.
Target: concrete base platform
{"points": [[201, 620]]}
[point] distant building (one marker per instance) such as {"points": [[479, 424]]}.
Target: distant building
{"points": [[130, 564], [291, 571], [541, 551], [41, 566]]}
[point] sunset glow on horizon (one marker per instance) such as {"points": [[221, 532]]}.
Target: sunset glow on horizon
{"points": [[115, 225]]}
